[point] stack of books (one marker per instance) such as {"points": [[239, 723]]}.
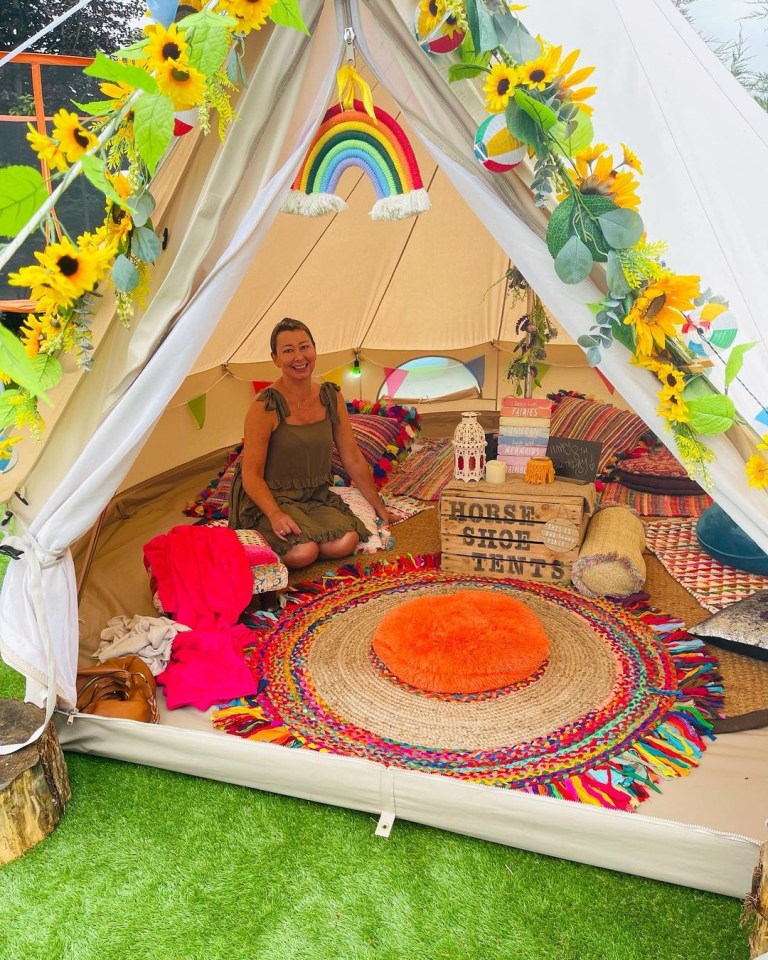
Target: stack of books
{"points": [[523, 431]]}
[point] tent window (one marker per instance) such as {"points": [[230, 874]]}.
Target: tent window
{"points": [[430, 378]]}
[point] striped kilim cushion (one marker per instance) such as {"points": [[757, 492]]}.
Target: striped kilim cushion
{"points": [[582, 419]]}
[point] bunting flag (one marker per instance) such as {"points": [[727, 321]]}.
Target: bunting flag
{"points": [[477, 368], [259, 385], [541, 371], [393, 380], [606, 381], [334, 376], [197, 408]]}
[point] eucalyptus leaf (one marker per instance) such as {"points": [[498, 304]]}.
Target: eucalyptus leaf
{"points": [[107, 69], [543, 115], [209, 43], [735, 361], [286, 13], [594, 356], [145, 244], [94, 170], [15, 363], [622, 228], [711, 415], [586, 341], [153, 127], [22, 193], [141, 207], [574, 262], [520, 45], [124, 275], [482, 26], [617, 282], [233, 73], [48, 370]]}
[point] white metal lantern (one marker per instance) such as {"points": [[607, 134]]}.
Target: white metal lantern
{"points": [[469, 449]]}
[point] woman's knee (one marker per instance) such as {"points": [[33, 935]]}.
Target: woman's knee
{"points": [[301, 555], [342, 547]]}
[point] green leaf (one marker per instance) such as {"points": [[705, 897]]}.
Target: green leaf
{"points": [[481, 26], [136, 51], [624, 333], [519, 44], [107, 69], [465, 71], [467, 53], [145, 244], [48, 370], [208, 42], [141, 207], [560, 226], [523, 127], [286, 13], [94, 169], [735, 361], [22, 193], [96, 108], [621, 228], [581, 137], [617, 282], [593, 356], [586, 341], [153, 127], [574, 261], [711, 415], [8, 410], [697, 386], [15, 363], [124, 275], [544, 116]]}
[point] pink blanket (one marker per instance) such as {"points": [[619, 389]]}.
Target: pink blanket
{"points": [[203, 575]]}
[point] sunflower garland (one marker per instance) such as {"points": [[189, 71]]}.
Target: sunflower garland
{"points": [[543, 95], [190, 64]]}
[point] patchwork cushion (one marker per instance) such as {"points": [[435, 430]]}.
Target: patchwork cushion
{"points": [[584, 419], [267, 577], [212, 503], [742, 627], [382, 440], [657, 471]]}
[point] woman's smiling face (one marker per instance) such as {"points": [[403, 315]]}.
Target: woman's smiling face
{"points": [[295, 354]]}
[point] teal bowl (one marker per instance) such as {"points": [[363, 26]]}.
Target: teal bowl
{"points": [[719, 536]]}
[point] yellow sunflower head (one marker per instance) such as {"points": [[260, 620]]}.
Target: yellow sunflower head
{"points": [[32, 335], [73, 270], [431, 13], [499, 87], [673, 408], [756, 469], [73, 139], [116, 91], [566, 82], [670, 377], [182, 83], [250, 14], [657, 312], [164, 44], [47, 150], [539, 73], [631, 159]]}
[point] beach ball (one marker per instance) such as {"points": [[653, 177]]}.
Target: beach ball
{"points": [[8, 463], [713, 323], [184, 121], [495, 147], [444, 39]]}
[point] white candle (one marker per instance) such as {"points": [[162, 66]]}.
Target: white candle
{"points": [[495, 471]]}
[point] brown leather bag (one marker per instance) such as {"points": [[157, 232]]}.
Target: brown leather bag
{"points": [[123, 687]]}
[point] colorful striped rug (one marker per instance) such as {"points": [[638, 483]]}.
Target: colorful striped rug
{"points": [[655, 504], [425, 472], [712, 583], [624, 701]]}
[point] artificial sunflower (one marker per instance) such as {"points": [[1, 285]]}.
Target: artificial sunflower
{"points": [[65, 272], [657, 312], [672, 378], [47, 150], [118, 221], [499, 87], [673, 407], [182, 83], [539, 73], [756, 469], [566, 82], [250, 14], [117, 91], [164, 45], [73, 139], [631, 159], [595, 173], [431, 13], [33, 334]]}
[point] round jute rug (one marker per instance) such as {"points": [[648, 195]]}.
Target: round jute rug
{"points": [[607, 715]]}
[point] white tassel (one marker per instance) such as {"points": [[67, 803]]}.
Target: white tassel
{"points": [[402, 205], [312, 204]]}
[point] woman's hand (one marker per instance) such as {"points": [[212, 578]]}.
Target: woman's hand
{"points": [[283, 525]]}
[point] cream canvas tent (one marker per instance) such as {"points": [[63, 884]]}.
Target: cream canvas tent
{"points": [[231, 269]]}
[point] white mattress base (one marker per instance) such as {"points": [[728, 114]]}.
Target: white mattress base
{"points": [[684, 854]]}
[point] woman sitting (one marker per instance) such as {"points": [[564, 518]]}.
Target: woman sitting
{"points": [[281, 486]]}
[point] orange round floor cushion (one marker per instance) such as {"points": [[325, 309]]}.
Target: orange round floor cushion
{"points": [[465, 642]]}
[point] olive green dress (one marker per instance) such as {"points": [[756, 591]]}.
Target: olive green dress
{"points": [[298, 473]]}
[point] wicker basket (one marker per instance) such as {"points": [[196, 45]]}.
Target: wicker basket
{"points": [[610, 562]]}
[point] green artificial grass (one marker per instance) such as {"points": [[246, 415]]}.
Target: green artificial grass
{"points": [[150, 864]]}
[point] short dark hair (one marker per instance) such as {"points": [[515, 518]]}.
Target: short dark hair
{"points": [[285, 325]]}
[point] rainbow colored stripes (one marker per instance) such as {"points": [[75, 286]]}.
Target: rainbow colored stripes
{"points": [[351, 138]]}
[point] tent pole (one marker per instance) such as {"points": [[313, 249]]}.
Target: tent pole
{"points": [[90, 552]]}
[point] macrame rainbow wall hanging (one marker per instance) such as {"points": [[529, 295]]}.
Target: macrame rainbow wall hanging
{"points": [[376, 145]]}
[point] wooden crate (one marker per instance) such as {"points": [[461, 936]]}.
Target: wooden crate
{"points": [[514, 529]]}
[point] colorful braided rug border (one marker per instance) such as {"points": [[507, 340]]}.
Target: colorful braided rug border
{"points": [[652, 727]]}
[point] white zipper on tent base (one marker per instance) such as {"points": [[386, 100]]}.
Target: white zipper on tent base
{"points": [[525, 797]]}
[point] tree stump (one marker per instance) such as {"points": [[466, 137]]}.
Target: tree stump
{"points": [[34, 786], [756, 905]]}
